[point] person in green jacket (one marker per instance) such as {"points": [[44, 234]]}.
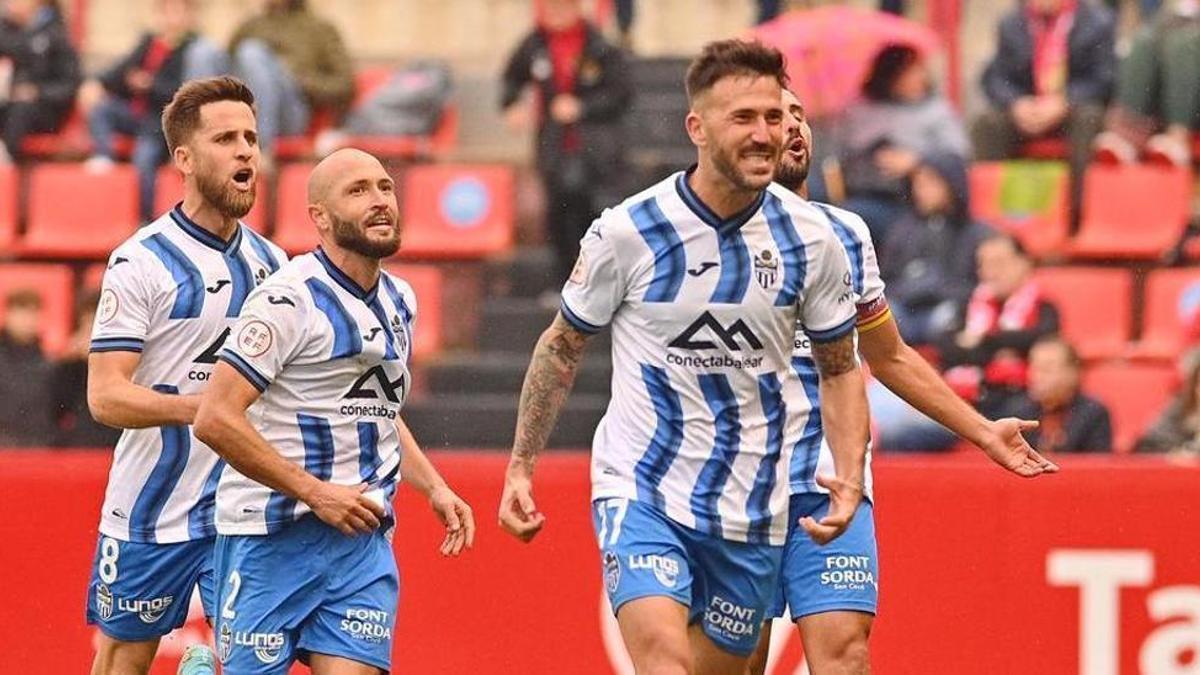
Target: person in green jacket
{"points": [[296, 63]]}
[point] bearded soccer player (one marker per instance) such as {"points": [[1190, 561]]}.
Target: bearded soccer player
{"points": [[304, 406], [831, 591], [703, 278], [169, 297]]}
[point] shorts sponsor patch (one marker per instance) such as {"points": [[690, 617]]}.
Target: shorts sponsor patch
{"points": [[666, 570]]}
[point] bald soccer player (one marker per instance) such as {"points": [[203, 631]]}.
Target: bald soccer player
{"points": [[304, 406]]}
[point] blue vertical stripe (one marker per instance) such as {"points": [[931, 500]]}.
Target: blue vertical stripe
{"points": [[670, 261], [389, 350], [172, 460], [243, 281], [770, 390], [346, 340], [201, 523], [406, 313], [791, 250], [808, 449], [368, 450], [189, 283], [735, 269], [262, 250], [317, 436], [727, 436], [854, 247], [668, 435]]}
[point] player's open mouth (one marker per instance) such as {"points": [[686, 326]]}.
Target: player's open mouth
{"points": [[383, 220], [797, 150], [244, 179]]}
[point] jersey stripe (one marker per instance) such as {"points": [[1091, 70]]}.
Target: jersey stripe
{"points": [[726, 441], [670, 262], [189, 293], [406, 313], [346, 340], [854, 248], [116, 345], [368, 450], [668, 435], [735, 269], [172, 460], [200, 518], [243, 282], [248, 371], [791, 250], [317, 436], [389, 349], [807, 450], [770, 390], [262, 250]]}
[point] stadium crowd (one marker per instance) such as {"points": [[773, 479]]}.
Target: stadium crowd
{"points": [[968, 290]]}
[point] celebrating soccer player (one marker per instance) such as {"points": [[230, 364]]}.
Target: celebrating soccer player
{"points": [[704, 278], [832, 591], [169, 297], [304, 406]]}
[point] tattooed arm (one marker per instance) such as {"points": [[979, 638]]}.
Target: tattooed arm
{"points": [[845, 420], [548, 380]]}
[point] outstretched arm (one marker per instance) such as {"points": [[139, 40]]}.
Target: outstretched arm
{"points": [[548, 380]]}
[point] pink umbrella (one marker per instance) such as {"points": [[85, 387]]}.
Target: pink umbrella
{"points": [[830, 49]]}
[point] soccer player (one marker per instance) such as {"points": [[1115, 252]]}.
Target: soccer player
{"points": [[168, 299], [832, 590], [304, 406], [703, 278]]}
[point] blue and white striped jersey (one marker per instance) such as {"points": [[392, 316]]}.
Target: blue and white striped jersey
{"points": [[704, 314], [812, 454], [331, 360], [172, 292]]}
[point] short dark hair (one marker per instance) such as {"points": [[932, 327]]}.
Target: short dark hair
{"points": [[726, 58], [1012, 241], [181, 117], [889, 64], [22, 298], [1067, 348]]}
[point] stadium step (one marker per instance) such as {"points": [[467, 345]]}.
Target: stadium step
{"points": [[488, 420], [512, 325], [526, 274], [504, 374]]}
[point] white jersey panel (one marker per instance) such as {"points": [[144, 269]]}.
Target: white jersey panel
{"points": [[332, 362], [171, 293]]}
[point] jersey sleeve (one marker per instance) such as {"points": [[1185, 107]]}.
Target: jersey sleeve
{"points": [[872, 309], [596, 287], [828, 309], [270, 332], [126, 306]]}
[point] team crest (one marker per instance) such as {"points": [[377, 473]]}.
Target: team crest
{"points": [[612, 571], [398, 331], [260, 276], [766, 269], [104, 602], [225, 643]]}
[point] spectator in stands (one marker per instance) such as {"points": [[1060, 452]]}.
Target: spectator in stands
{"points": [[45, 72], [24, 392], [583, 90], [296, 63], [898, 120], [1052, 75], [1070, 421], [1157, 106], [928, 260], [73, 424], [1177, 430], [129, 97]]}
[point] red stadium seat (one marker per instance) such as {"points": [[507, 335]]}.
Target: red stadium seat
{"points": [[1134, 212], [1030, 200], [1094, 306], [76, 214], [169, 192], [1164, 333], [1135, 395], [8, 206], [72, 141], [294, 232], [56, 285], [457, 211], [426, 282], [1053, 147]]}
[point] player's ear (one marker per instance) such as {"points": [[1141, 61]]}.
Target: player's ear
{"points": [[695, 129], [318, 215], [182, 158]]}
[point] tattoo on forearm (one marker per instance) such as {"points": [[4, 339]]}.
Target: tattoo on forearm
{"points": [[835, 358], [547, 382]]}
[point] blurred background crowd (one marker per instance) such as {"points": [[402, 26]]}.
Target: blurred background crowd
{"points": [[1026, 170]]}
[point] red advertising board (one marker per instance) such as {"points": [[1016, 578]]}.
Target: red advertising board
{"points": [[1094, 571]]}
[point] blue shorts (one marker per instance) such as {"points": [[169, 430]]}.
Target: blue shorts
{"points": [[307, 588], [725, 584], [842, 575], [142, 591]]}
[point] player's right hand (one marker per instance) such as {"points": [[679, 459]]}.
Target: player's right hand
{"points": [[844, 498], [345, 507], [518, 514]]}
